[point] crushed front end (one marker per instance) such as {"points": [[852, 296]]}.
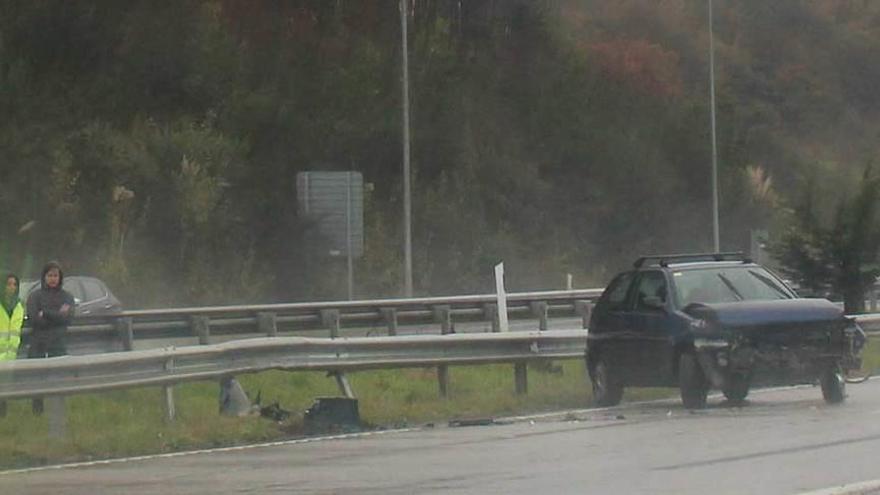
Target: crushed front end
{"points": [[774, 342]]}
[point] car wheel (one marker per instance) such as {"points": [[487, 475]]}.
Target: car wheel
{"points": [[833, 385], [607, 386], [692, 382], [736, 386]]}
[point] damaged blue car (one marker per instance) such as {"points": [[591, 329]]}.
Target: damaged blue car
{"points": [[719, 321]]}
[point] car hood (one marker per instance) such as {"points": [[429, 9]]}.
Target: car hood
{"points": [[763, 313]]}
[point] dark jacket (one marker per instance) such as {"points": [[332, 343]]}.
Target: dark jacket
{"points": [[48, 324]]}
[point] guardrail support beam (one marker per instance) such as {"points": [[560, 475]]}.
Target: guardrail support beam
{"points": [[584, 309], [443, 380], [539, 309], [125, 330], [330, 318], [390, 317], [443, 314], [521, 378], [168, 394], [201, 327], [343, 384], [490, 312], [267, 324], [57, 417]]}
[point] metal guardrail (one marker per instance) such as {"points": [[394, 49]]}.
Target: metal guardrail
{"points": [[170, 365], [163, 367], [869, 322], [118, 332]]}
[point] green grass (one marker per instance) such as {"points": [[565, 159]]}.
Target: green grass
{"points": [[871, 355], [131, 422]]}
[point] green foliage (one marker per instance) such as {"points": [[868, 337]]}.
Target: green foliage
{"points": [[840, 255], [157, 145]]}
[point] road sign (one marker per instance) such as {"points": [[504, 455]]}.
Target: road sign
{"points": [[335, 202]]}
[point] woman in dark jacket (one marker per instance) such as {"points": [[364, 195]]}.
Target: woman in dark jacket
{"points": [[49, 310]]}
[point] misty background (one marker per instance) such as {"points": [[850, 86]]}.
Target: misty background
{"points": [[156, 144]]}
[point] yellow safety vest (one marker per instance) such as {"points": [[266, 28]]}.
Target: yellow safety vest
{"points": [[10, 332]]}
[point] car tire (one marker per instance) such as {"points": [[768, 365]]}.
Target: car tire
{"points": [[692, 382], [833, 385], [607, 385], [736, 386]]}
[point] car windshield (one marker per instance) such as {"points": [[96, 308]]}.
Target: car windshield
{"points": [[716, 285]]}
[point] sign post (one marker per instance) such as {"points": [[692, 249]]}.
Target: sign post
{"points": [[502, 298]]}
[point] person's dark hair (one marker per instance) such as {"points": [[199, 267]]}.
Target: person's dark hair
{"points": [[49, 266]]}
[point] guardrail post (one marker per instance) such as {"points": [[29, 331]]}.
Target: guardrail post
{"points": [[873, 293], [168, 393], [343, 384], [584, 309], [521, 378], [267, 324], [390, 316], [443, 314], [490, 312], [57, 417], [330, 318], [124, 328], [539, 309], [201, 327]]}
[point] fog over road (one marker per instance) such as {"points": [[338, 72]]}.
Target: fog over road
{"points": [[783, 441]]}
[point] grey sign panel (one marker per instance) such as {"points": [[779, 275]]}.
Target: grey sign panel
{"points": [[335, 202]]}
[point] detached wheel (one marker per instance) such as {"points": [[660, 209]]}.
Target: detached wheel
{"points": [[736, 387], [607, 385], [692, 382], [833, 385]]}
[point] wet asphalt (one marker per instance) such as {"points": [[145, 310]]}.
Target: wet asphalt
{"points": [[780, 441]]}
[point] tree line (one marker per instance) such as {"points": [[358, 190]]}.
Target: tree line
{"points": [[156, 144]]}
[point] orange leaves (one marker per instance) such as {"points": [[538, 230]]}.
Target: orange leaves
{"points": [[645, 66]]}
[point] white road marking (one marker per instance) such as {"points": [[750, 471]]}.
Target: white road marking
{"points": [[860, 488]]}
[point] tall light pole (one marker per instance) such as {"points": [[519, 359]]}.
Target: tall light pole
{"points": [[715, 229], [407, 200]]}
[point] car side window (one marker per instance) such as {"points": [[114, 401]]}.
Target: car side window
{"points": [[93, 290], [618, 289], [652, 287], [75, 289]]}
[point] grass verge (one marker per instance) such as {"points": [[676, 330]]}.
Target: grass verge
{"points": [[131, 422]]}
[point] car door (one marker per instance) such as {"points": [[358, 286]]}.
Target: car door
{"points": [[608, 333], [96, 298], [652, 324], [72, 286]]}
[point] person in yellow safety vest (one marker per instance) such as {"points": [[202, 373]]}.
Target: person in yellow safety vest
{"points": [[11, 320]]}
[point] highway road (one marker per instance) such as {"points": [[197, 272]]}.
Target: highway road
{"points": [[784, 441]]}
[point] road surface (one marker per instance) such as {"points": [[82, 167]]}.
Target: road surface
{"points": [[782, 441]]}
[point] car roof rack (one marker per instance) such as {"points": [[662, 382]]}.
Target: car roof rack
{"points": [[665, 259]]}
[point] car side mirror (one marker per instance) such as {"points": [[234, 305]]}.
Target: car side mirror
{"points": [[654, 302]]}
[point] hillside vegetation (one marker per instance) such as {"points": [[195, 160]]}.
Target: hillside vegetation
{"points": [[156, 144]]}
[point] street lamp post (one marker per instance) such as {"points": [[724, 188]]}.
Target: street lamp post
{"points": [[407, 200], [715, 228]]}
